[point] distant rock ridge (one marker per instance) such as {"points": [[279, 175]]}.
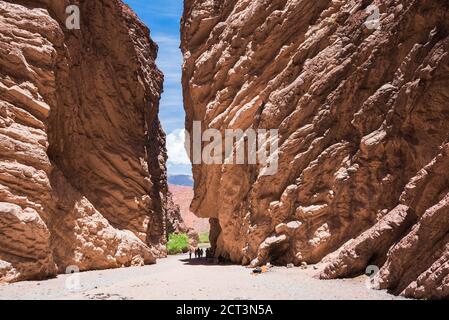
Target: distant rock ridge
{"points": [[182, 196], [180, 180], [359, 91], [176, 223]]}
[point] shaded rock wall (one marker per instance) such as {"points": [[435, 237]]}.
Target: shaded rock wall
{"points": [[362, 115], [82, 152]]}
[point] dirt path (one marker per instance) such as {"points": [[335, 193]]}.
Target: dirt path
{"points": [[177, 277]]}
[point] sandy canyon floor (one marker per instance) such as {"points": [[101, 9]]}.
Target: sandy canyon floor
{"points": [[177, 277]]}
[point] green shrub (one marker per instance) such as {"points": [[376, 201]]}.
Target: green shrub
{"points": [[177, 243], [204, 237]]}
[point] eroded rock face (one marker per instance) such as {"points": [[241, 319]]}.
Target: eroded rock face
{"points": [[175, 222], [413, 238], [182, 196], [82, 152], [362, 113]]}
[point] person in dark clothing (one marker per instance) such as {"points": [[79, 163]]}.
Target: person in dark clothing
{"points": [[208, 255], [190, 254]]}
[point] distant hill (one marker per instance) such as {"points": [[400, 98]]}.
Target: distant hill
{"points": [[181, 180], [182, 196]]}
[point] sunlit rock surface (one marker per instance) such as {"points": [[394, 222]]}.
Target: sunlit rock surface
{"points": [[82, 152], [362, 111]]}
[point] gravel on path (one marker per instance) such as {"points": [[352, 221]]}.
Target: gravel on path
{"points": [[177, 277]]}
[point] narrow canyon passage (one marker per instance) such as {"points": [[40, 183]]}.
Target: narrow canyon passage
{"points": [[177, 278], [113, 149]]}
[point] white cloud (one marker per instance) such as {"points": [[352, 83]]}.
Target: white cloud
{"points": [[177, 154]]}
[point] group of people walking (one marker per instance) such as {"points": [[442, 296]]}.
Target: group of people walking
{"points": [[200, 253]]}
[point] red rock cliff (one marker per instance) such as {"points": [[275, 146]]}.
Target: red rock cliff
{"points": [[82, 152], [362, 111]]}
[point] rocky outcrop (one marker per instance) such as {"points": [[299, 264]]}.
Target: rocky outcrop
{"points": [[413, 238], [360, 102], [182, 196], [82, 161], [176, 224]]}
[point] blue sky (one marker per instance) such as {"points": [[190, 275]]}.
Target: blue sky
{"points": [[163, 18]]}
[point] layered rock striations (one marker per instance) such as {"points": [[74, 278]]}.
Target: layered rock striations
{"points": [[82, 152], [361, 104]]}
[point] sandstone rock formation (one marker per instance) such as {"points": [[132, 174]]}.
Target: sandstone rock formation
{"points": [[82, 152], [175, 222], [361, 108], [182, 196], [413, 238]]}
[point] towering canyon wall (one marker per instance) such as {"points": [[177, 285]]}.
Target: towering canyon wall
{"points": [[82, 152], [363, 117]]}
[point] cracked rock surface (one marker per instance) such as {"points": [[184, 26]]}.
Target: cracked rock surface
{"points": [[82, 153], [362, 114]]}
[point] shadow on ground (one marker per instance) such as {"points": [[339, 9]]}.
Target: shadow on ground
{"points": [[205, 262]]}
